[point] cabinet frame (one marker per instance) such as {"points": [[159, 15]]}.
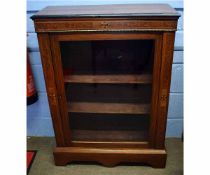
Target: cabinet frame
{"points": [[57, 66]]}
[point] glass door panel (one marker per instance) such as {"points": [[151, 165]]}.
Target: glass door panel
{"points": [[108, 86]]}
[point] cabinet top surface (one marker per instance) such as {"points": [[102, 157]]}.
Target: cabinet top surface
{"points": [[119, 10]]}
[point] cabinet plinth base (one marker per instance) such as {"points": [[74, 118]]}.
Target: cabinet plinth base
{"points": [[110, 157]]}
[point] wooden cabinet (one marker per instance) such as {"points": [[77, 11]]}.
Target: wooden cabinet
{"points": [[107, 71]]}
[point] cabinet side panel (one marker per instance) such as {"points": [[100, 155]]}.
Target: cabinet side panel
{"points": [[44, 45], [165, 80]]}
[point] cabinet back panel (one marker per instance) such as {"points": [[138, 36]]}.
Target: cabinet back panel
{"points": [[107, 57], [114, 93], [106, 127]]}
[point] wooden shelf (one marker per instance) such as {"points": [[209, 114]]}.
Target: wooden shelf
{"points": [[116, 108], [109, 135], [137, 79]]}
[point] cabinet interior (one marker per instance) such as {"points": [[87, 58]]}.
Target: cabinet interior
{"points": [[108, 87]]}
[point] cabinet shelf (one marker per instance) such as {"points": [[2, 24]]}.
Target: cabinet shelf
{"points": [[107, 135], [109, 108], [121, 79]]}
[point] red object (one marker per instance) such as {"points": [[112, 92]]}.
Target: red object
{"points": [[31, 90], [30, 158]]}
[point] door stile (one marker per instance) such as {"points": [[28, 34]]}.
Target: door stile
{"points": [[155, 89], [60, 84]]}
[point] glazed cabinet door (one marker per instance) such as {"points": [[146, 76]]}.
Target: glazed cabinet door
{"points": [[107, 86]]}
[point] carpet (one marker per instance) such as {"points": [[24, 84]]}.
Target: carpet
{"points": [[30, 158], [44, 161]]}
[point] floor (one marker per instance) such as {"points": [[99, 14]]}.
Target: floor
{"points": [[43, 163]]}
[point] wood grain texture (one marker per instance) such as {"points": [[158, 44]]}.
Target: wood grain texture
{"points": [[104, 25], [44, 44], [95, 36], [107, 10], [148, 18], [109, 108], [110, 157], [111, 136], [155, 89], [135, 23], [109, 79], [62, 103], [165, 80], [30, 24], [111, 144]]}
